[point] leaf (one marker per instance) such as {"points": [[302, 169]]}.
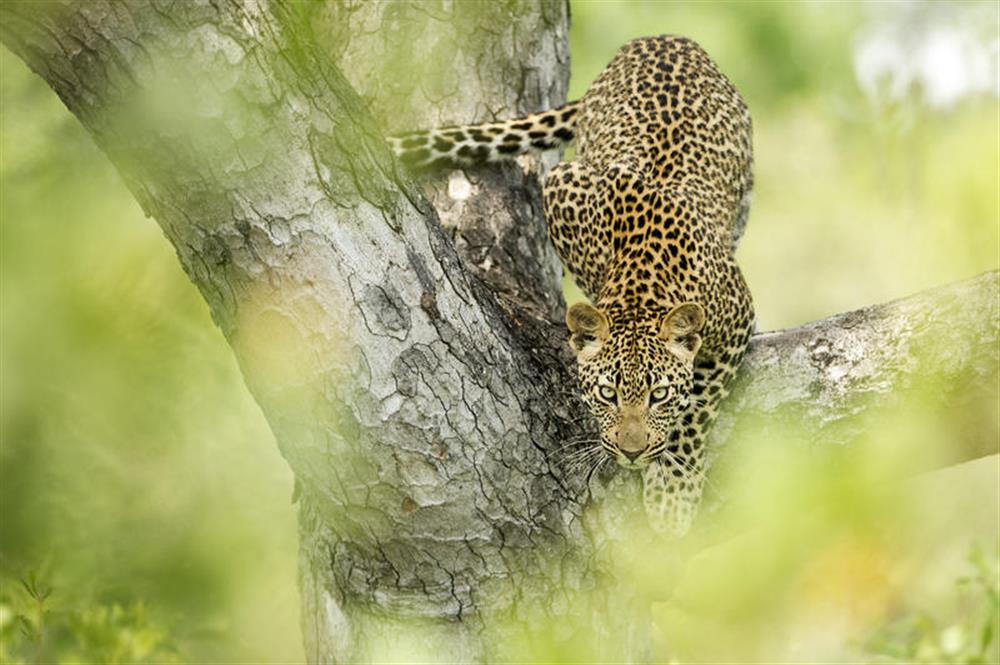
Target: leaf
{"points": [[986, 637]]}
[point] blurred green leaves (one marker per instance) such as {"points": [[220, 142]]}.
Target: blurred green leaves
{"points": [[961, 632], [39, 625], [133, 459]]}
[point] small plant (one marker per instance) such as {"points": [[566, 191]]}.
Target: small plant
{"points": [[35, 629], [967, 636]]}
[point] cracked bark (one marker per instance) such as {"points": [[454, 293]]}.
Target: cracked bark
{"points": [[402, 338]]}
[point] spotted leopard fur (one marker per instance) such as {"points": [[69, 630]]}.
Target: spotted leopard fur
{"points": [[646, 218], [489, 142]]}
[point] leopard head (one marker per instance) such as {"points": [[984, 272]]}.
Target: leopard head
{"points": [[636, 375]]}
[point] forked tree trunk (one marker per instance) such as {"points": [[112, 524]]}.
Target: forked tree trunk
{"points": [[404, 342]]}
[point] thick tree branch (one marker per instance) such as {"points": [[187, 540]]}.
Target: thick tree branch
{"points": [[830, 381], [421, 413], [830, 372]]}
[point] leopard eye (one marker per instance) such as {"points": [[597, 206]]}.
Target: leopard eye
{"points": [[607, 393], [658, 395]]}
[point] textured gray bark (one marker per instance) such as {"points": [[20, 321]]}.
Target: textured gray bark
{"points": [[412, 367], [829, 382], [826, 372]]}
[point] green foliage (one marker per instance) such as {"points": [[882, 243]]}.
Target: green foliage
{"points": [[963, 633], [132, 458], [37, 625]]}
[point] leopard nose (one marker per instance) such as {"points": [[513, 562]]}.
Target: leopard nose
{"points": [[631, 454]]}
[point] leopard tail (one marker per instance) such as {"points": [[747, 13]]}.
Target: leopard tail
{"points": [[467, 145]]}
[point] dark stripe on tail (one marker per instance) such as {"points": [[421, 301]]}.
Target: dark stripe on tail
{"points": [[475, 144]]}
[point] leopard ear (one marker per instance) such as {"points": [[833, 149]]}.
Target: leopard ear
{"points": [[588, 329], [680, 329]]}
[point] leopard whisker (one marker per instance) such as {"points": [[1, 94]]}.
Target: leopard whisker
{"points": [[585, 435], [573, 444], [597, 465], [580, 465], [692, 473], [583, 453]]}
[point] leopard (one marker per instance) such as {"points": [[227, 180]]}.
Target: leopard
{"points": [[646, 217]]}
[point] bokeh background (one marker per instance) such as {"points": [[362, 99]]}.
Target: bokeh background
{"points": [[146, 515]]}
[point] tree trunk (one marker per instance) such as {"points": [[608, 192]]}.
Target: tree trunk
{"points": [[406, 346]]}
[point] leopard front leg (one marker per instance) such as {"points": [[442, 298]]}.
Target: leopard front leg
{"points": [[673, 483], [672, 489]]}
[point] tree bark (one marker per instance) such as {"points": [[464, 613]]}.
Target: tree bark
{"points": [[829, 383], [404, 339], [873, 358]]}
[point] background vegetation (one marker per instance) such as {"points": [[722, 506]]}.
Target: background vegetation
{"points": [[145, 513]]}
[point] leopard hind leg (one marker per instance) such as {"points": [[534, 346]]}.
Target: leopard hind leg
{"points": [[581, 236]]}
